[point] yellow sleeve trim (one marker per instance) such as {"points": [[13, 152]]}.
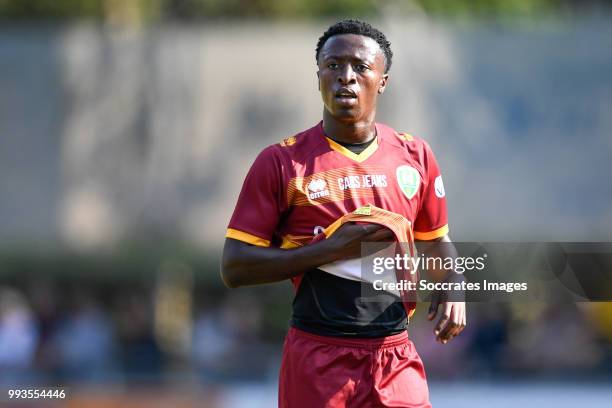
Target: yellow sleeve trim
{"points": [[333, 227], [289, 244], [428, 236], [246, 237]]}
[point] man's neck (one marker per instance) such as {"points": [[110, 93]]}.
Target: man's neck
{"points": [[358, 132]]}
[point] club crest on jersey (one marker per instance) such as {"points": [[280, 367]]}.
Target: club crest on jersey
{"points": [[408, 179], [317, 188]]}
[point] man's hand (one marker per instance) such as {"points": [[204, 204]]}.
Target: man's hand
{"points": [[452, 322], [349, 237]]}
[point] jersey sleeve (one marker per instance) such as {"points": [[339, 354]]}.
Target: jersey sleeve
{"points": [[261, 201], [432, 219]]}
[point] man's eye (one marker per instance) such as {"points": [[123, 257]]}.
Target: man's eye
{"points": [[361, 67], [332, 66]]}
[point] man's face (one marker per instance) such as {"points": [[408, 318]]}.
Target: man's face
{"points": [[351, 75]]}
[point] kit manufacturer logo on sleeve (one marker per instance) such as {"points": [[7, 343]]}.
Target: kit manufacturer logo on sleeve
{"points": [[439, 187]]}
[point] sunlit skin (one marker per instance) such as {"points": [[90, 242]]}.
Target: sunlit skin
{"points": [[351, 75], [351, 63]]}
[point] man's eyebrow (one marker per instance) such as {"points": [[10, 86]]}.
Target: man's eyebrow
{"points": [[353, 57]]}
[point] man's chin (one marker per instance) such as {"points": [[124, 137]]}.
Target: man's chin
{"points": [[345, 115]]}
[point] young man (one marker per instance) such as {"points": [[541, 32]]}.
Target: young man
{"points": [[341, 350]]}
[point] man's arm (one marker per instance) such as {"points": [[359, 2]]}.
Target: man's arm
{"points": [[243, 264], [453, 319]]}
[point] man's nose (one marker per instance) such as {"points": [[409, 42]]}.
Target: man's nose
{"points": [[347, 75]]}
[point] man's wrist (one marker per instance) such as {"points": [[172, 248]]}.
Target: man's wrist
{"points": [[325, 252], [457, 291], [455, 277]]}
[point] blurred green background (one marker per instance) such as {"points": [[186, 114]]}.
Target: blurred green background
{"points": [[203, 10]]}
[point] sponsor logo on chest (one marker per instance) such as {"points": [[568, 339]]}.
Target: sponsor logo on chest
{"points": [[362, 181], [337, 185]]}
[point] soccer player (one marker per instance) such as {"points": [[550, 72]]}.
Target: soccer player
{"points": [[341, 350]]}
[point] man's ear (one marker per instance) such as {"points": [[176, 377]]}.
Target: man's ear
{"points": [[383, 83], [318, 81]]}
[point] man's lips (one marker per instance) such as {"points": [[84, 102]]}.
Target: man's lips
{"points": [[345, 93]]}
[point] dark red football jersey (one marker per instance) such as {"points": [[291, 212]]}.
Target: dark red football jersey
{"points": [[300, 186]]}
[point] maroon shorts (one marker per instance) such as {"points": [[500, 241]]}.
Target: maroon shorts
{"points": [[334, 372]]}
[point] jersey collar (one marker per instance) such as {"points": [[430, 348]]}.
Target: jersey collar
{"points": [[369, 151]]}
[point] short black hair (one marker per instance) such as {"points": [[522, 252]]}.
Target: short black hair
{"points": [[358, 27]]}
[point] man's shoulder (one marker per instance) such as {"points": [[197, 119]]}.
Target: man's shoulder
{"points": [[403, 139], [292, 149], [300, 144]]}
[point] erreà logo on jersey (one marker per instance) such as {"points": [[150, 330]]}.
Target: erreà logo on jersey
{"points": [[408, 179], [317, 188]]}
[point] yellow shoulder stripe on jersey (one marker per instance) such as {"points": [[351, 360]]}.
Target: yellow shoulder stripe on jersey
{"points": [[404, 136], [246, 237], [428, 236], [353, 156], [290, 141]]}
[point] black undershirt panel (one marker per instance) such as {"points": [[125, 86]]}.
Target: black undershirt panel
{"points": [[356, 147], [328, 305]]}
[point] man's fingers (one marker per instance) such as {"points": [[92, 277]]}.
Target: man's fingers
{"points": [[383, 234], [459, 319], [455, 323], [360, 230], [444, 320], [444, 324], [455, 329], [448, 331], [371, 228], [441, 326], [462, 322], [433, 308]]}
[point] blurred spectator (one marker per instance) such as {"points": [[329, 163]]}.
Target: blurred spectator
{"points": [[18, 337], [227, 340], [141, 357], [555, 340], [489, 328], [85, 343], [441, 361]]}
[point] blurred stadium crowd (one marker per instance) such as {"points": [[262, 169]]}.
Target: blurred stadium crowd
{"points": [[52, 334], [74, 332]]}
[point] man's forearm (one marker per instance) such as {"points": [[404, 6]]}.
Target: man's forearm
{"points": [[244, 264], [442, 248]]}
